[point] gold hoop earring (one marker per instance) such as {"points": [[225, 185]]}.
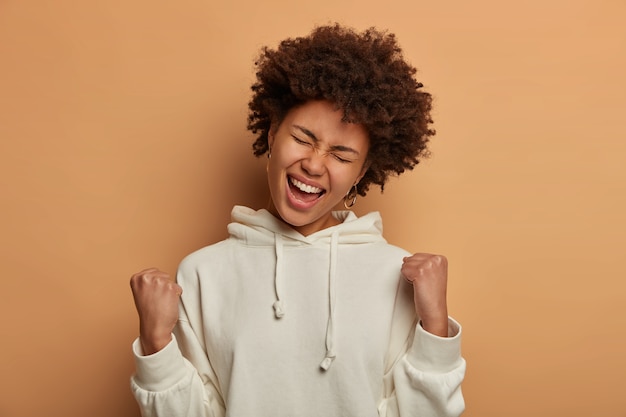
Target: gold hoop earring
{"points": [[350, 199]]}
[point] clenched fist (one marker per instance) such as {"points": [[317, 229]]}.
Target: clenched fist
{"points": [[429, 276], [156, 298]]}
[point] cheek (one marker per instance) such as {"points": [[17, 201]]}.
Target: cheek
{"points": [[276, 167], [344, 179]]}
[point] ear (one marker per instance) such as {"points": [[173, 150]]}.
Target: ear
{"points": [[270, 135], [364, 169]]}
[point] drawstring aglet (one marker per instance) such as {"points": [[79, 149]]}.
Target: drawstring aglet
{"points": [[327, 361], [278, 309]]}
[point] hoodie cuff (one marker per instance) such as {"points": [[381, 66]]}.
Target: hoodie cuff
{"points": [[434, 353], [161, 370]]}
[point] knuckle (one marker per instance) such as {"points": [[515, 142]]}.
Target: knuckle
{"points": [[137, 279], [147, 278], [440, 259]]}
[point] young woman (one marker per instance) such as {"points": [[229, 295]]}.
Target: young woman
{"points": [[306, 311]]}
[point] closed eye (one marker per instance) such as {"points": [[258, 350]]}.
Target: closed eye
{"points": [[300, 141], [342, 160]]}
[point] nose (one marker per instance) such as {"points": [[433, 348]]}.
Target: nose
{"points": [[313, 164]]}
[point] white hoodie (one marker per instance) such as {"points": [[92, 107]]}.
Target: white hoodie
{"points": [[274, 323]]}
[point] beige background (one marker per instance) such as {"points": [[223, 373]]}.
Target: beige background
{"points": [[123, 145]]}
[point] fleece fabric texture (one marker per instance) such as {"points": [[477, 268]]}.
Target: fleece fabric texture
{"points": [[274, 323]]}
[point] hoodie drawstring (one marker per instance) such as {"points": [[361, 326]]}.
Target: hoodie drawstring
{"points": [[279, 311], [279, 308], [330, 334]]}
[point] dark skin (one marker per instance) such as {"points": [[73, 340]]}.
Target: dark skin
{"points": [[156, 298]]}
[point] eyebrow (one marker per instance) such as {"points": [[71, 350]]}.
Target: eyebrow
{"points": [[314, 138]]}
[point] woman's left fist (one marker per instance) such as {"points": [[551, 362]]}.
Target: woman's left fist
{"points": [[429, 275]]}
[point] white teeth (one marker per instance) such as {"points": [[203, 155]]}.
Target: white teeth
{"points": [[304, 187]]}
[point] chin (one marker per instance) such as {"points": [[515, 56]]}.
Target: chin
{"points": [[296, 219]]}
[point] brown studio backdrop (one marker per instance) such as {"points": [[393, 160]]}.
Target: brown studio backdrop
{"points": [[123, 145]]}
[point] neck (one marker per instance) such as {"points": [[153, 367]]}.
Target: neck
{"points": [[307, 229]]}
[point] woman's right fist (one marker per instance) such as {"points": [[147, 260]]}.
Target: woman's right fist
{"points": [[156, 299]]}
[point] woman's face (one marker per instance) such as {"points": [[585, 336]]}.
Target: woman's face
{"points": [[315, 159]]}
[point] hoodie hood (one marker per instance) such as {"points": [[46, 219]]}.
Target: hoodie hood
{"points": [[258, 227], [261, 228]]}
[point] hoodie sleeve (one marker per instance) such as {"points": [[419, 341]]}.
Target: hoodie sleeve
{"points": [[168, 384], [426, 379]]}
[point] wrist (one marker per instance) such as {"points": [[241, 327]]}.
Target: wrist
{"points": [[153, 343], [435, 325]]}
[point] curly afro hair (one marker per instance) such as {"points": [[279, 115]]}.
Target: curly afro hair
{"points": [[365, 76]]}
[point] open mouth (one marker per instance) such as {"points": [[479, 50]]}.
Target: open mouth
{"points": [[304, 192]]}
